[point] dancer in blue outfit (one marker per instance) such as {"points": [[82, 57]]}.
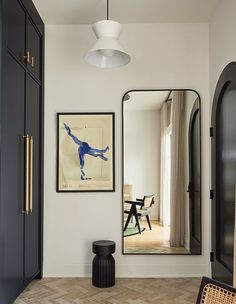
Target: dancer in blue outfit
{"points": [[84, 149]]}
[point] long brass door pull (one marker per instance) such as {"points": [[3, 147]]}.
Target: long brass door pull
{"points": [[26, 207], [31, 174]]}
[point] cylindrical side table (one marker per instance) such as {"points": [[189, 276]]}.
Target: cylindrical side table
{"points": [[103, 264]]}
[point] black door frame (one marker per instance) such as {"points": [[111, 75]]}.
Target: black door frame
{"points": [[226, 80]]}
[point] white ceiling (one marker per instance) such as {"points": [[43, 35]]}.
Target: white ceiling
{"points": [[125, 11], [145, 100]]}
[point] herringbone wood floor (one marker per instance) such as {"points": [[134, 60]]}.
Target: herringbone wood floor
{"points": [[126, 291]]}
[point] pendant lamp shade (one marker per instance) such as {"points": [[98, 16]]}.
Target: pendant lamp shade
{"points": [[107, 51]]}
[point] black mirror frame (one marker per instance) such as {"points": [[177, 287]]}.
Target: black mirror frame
{"points": [[122, 188]]}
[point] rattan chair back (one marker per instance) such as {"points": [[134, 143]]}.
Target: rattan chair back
{"points": [[214, 292]]}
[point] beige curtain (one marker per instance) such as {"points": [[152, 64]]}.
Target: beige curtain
{"points": [[164, 174], [128, 195], [177, 193]]}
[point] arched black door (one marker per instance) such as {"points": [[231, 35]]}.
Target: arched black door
{"points": [[224, 174]]}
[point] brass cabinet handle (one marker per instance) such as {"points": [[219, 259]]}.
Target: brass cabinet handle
{"points": [[31, 174], [26, 209], [32, 62], [27, 57]]}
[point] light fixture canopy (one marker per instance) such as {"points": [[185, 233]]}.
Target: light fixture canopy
{"points": [[107, 51]]}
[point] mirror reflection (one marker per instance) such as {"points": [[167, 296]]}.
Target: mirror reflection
{"points": [[161, 174]]}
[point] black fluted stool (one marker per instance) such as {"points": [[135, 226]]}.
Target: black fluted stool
{"points": [[103, 264]]}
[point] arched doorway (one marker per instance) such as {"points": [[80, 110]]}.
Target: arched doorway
{"points": [[224, 174]]}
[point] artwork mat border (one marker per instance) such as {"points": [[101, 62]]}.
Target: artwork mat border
{"points": [[112, 114]]}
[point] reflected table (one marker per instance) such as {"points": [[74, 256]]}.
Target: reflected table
{"points": [[133, 212]]}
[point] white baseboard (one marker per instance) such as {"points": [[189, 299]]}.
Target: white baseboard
{"points": [[130, 271], [54, 270]]}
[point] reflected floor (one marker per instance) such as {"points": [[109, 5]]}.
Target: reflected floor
{"points": [[152, 241]]}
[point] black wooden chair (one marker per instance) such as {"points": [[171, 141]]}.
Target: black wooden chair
{"points": [[132, 212], [145, 210], [145, 205], [214, 292]]}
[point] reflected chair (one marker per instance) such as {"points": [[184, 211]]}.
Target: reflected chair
{"points": [[145, 210], [214, 292], [145, 205]]}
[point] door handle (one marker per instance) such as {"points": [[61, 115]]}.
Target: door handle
{"points": [[31, 161], [32, 61], [27, 57], [26, 207]]}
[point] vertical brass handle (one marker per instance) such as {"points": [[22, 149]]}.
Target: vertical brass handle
{"points": [[26, 209], [31, 174], [32, 62], [27, 57]]}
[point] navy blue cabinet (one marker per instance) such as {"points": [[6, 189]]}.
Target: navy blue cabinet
{"points": [[21, 146]]}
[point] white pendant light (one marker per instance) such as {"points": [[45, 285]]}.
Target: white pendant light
{"points": [[107, 51]]}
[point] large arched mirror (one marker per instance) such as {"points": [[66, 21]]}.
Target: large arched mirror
{"points": [[161, 172]]}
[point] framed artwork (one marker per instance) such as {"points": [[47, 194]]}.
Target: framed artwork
{"points": [[85, 152]]}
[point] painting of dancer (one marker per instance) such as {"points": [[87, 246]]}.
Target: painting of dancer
{"points": [[85, 152], [84, 149]]}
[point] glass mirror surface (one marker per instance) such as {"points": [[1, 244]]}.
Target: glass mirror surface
{"points": [[161, 172]]}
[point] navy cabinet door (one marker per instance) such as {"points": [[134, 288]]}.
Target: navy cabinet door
{"points": [[21, 113], [32, 220], [12, 182], [15, 22], [33, 42]]}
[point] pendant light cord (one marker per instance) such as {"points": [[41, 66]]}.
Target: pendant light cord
{"points": [[107, 9]]}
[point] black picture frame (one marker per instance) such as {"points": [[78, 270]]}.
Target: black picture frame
{"points": [[110, 115]]}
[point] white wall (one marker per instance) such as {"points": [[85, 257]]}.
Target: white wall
{"points": [[222, 40], [163, 56], [142, 140]]}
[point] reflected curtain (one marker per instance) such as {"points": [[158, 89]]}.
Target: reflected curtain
{"points": [[165, 167], [128, 195], [177, 193]]}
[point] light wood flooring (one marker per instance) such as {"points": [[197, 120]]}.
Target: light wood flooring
{"points": [[152, 241], [126, 291]]}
